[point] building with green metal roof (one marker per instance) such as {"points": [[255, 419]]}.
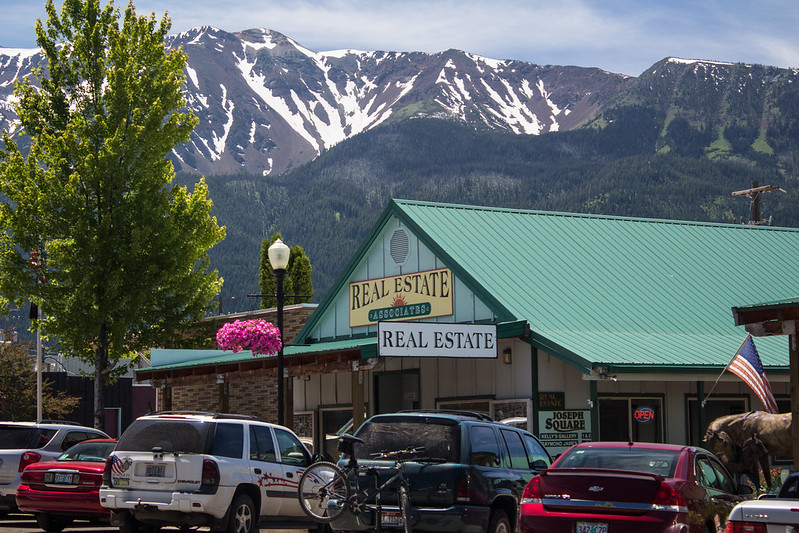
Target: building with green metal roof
{"points": [[596, 317]]}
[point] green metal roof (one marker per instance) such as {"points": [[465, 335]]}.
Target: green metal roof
{"points": [[616, 290], [636, 295], [199, 358]]}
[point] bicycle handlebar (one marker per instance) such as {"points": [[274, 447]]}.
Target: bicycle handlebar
{"points": [[398, 454]]}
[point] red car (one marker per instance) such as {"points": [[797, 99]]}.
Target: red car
{"points": [[60, 491], [620, 487]]}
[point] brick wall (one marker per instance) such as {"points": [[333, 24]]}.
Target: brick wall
{"points": [[203, 333], [252, 392]]}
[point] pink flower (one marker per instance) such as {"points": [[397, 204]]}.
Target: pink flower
{"points": [[257, 335]]}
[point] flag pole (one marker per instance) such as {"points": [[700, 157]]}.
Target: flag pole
{"points": [[741, 347]]}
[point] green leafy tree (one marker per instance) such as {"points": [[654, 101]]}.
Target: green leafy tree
{"points": [[300, 271], [122, 254], [297, 284], [18, 386], [266, 277]]}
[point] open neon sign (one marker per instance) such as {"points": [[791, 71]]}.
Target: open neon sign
{"points": [[644, 414]]}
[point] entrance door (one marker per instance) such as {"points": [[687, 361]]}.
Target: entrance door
{"points": [[396, 391]]}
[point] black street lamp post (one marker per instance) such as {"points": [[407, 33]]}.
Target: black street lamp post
{"points": [[279, 259]]}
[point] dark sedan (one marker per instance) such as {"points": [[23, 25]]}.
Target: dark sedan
{"points": [[60, 491], [620, 487]]}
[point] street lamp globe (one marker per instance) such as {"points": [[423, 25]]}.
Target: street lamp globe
{"points": [[278, 255]]}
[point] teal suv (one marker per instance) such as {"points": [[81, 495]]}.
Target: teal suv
{"points": [[475, 483]]}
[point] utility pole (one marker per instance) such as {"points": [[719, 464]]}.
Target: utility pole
{"points": [[754, 194]]}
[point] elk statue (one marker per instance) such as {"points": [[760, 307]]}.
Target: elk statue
{"points": [[744, 442]]}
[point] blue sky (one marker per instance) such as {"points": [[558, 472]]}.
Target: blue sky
{"points": [[623, 36]]}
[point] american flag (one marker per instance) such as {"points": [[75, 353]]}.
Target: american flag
{"points": [[119, 466], [747, 366]]}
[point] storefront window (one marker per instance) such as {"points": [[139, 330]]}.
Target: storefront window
{"points": [[396, 391], [334, 423], [714, 407], [639, 419]]}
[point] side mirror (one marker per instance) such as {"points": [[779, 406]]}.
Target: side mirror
{"points": [[316, 458], [745, 490], [539, 464]]}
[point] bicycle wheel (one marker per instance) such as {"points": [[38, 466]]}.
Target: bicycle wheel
{"points": [[323, 491], [405, 507]]}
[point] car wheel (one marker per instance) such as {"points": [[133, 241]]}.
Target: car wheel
{"points": [[51, 524], [242, 517], [499, 523]]}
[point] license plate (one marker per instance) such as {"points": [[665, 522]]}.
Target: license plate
{"points": [[58, 478], [154, 470], [591, 527], [392, 519]]}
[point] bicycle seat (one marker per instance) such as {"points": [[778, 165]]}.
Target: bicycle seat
{"points": [[351, 438], [346, 443]]}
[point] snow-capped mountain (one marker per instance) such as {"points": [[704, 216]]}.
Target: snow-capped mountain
{"points": [[266, 103]]}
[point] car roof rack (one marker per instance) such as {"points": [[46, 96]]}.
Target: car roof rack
{"points": [[207, 413], [456, 412], [64, 422]]}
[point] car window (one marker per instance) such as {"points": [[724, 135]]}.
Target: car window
{"points": [[538, 456], [44, 437], [723, 479], [292, 452], [790, 489], [485, 449], [439, 437], [171, 435], [262, 448], [516, 451], [88, 451], [16, 437], [72, 438], [706, 474], [661, 462], [228, 440]]}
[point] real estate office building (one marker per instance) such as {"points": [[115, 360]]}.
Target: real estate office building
{"points": [[584, 327]]}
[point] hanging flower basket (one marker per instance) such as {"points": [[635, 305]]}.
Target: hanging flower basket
{"points": [[258, 335]]}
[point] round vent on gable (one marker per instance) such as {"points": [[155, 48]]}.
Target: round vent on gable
{"points": [[399, 246]]}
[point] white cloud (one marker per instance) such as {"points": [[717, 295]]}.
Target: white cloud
{"points": [[618, 35]]}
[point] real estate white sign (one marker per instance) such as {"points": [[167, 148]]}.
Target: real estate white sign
{"points": [[426, 339]]}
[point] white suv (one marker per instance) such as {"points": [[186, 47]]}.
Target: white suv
{"points": [[228, 472], [24, 443]]}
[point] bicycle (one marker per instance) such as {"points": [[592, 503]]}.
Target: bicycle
{"points": [[327, 490]]}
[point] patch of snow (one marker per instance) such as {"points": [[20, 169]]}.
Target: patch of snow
{"points": [[219, 141], [20, 53], [338, 54], [193, 76], [692, 61], [266, 43]]}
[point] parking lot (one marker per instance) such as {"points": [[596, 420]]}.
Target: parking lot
{"points": [[21, 523]]}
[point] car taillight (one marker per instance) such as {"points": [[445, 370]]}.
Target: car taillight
{"points": [[745, 527], [88, 480], [463, 489], [28, 458], [532, 492], [210, 479], [107, 471], [668, 499]]}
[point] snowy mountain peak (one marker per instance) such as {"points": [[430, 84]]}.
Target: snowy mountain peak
{"points": [[266, 103]]}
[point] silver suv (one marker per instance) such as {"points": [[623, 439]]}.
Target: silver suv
{"points": [[24, 443], [228, 472]]}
